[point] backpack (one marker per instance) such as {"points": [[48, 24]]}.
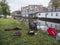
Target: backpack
{"points": [[51, 32]]}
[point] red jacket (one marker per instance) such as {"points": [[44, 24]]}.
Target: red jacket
{"points": [[51, 32]]}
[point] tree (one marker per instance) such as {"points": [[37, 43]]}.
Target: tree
{"points": [[55, 4], [4, 8]]}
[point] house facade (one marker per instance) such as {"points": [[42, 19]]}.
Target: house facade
{"points": [[16, 14], [32, 9]]}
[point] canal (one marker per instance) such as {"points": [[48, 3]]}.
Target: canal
{"points": [[53, 24]]}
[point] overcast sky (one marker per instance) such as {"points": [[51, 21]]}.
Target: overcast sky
{"points": [[17, 4]]}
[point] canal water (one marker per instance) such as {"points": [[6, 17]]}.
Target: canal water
{"points": [[52, 24]]}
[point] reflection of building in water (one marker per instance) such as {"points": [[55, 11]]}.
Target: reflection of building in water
{"points": [[49, 24], [40, 22], [54, 25]]}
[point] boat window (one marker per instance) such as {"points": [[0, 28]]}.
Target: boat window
{"points": [[56, 14], [46, 14], [51, 25], [51, 14], [39, 13]]}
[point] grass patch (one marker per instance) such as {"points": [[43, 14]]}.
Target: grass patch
{"points": [[7, 38]]}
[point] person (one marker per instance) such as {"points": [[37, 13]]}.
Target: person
{"points": [[30, 26], [35, 26]]}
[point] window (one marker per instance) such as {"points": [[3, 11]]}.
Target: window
{"points": [[59, 10], [51, 14], [56, 14], [46, 14], [55, 26], [51, 25], [39, 13]]}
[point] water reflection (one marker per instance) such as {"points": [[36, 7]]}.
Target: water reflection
{"points": [[43, 25], [46, 23], [49, 24]]}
